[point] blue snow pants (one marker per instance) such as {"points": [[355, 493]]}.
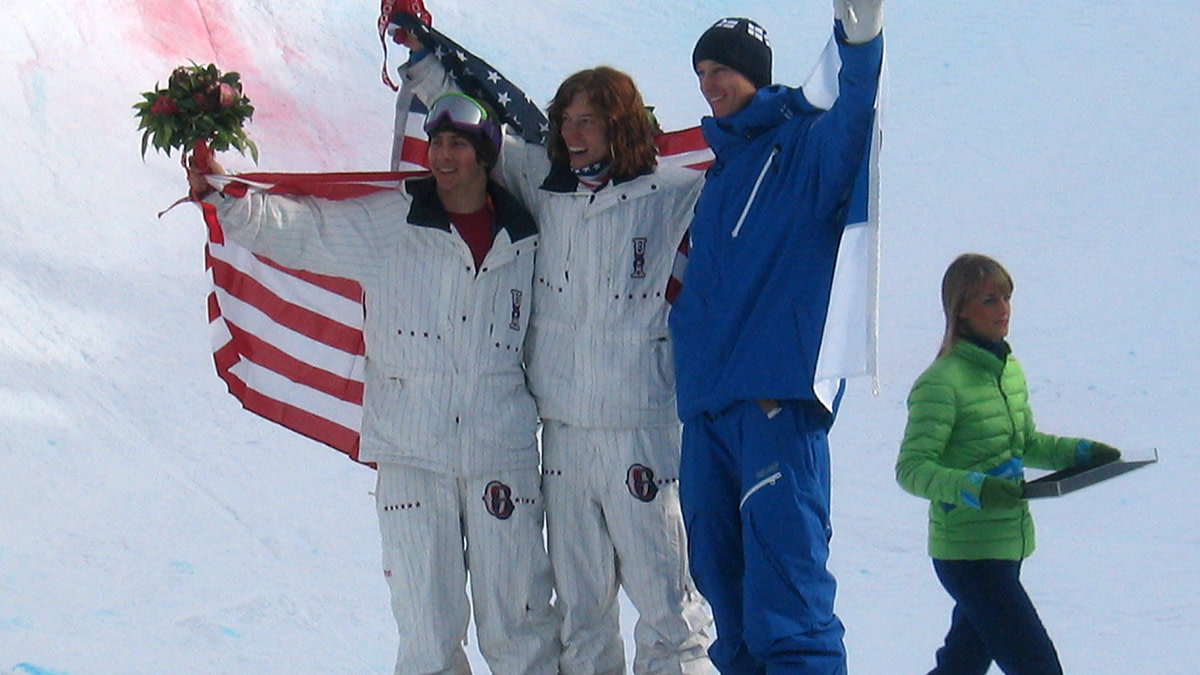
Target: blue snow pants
{"points": [[755, 495], [993, 618]]}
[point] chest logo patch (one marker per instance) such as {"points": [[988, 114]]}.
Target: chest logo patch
{"points": [[639, 258], [515, 324]]}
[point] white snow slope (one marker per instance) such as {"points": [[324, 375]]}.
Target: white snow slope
{"points": [[149, 525]]}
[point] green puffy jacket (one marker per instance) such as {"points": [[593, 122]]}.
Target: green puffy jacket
{"points": [[969, 417]]}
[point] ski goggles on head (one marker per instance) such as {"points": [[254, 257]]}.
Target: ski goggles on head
{"points": [[463, 113]]}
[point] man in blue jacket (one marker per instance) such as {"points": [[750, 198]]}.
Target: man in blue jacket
{"points": [[748, 326]]}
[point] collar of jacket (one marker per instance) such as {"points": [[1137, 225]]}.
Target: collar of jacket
{"points": [[562, 179], [427, 209], [771, 107], [982, 356]]}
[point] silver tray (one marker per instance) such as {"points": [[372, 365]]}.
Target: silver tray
{"points": [[1069, 480]]}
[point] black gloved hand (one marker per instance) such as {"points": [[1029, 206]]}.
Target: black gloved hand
{"points": [[999, 493]]}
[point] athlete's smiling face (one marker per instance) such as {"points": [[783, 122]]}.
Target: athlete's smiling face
{"points": [[726, 90], [585, 133], [454, 163]]}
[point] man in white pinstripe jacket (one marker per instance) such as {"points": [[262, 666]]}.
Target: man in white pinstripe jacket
{"points": [[446, 263]]}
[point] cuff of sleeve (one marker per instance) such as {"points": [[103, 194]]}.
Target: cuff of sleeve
{"points": [[839, 30], [973, 483], [1083, 452]]}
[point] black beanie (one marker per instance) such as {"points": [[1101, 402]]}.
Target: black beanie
{"points": [[740, 44]]}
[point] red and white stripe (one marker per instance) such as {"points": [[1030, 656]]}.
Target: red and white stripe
{"points": [[288, 343]]}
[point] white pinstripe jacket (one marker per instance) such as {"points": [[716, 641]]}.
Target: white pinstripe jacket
{"points": [[599, 353], [445, 388]]}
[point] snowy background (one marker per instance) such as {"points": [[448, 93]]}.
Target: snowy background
{"points": [[149, 525]]}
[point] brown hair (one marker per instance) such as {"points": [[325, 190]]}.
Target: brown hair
{"points": [[616, 99], [962, 282]]}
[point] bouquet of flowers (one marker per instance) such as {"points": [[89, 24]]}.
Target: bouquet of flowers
{"points": [[200, 111]]}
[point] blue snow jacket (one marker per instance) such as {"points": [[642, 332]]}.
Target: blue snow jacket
{"points": [[764, 240]]}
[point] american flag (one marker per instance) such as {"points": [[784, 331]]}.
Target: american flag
{"points": [[289, 343], [479, 80]]}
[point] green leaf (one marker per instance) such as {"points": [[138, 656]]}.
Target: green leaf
{"points": [[222, 128]]}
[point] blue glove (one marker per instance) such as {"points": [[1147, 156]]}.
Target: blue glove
{"points": [[999, 493]]}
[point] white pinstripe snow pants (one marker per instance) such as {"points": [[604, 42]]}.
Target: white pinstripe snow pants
{"points": [[438, 531], [613, 517]]}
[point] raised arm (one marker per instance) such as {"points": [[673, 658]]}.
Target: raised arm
{"points": [[428, 74], [845, 130], [348, 238]]}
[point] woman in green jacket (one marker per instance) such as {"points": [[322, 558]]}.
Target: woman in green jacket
{"points": [[970, 434]]}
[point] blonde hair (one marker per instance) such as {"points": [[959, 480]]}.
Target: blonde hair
{"points": [[962, 282]]}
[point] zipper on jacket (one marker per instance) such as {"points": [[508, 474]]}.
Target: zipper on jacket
{"points": [[754, 191], [769, 480], [1012, 424]]}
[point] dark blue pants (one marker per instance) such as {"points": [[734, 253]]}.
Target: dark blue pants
{"points": [[993, 619], [755, 497]]}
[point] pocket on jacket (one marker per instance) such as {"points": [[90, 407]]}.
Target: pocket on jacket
{"points": [[406, 413], [638, 370], [509, 414]]}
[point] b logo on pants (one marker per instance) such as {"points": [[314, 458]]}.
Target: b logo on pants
{"points": [[497, 498], [640, 481]]}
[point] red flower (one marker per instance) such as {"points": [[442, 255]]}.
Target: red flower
{"points": [[228, 96], [201, 105], [165, 105]]}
